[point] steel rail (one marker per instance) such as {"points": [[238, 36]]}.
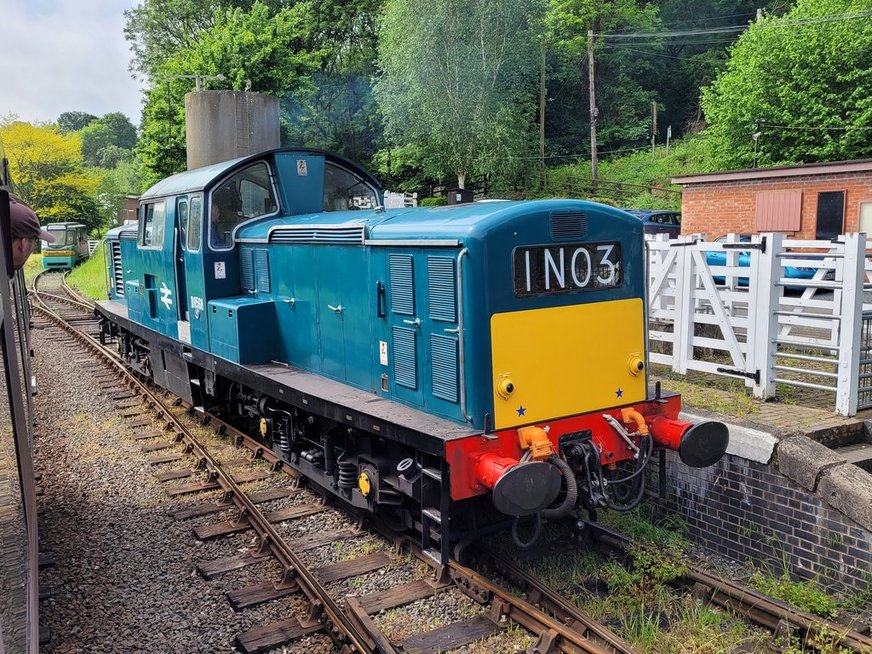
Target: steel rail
{"points": [[571, 634], [540, 593], [344, 631], [755, 606], [74, 294], [563, 636]]}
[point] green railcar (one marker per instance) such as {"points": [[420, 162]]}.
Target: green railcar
{"points": [[69, 248]]}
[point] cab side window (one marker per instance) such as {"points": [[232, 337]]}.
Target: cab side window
{"points": [[195, 216], [151, 224], [344, 190], [182, 221], [247, 194]]}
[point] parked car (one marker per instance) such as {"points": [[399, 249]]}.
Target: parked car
{"points": [[657, 221], [714, 259]]}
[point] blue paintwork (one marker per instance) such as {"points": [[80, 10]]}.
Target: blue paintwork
{"points": [[716, 259], [291, 311], [233, 334]]}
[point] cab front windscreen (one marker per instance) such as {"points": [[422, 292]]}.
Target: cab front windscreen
{"points": [[63, 237]]}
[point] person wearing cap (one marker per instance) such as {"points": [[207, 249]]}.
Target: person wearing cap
{"points": [[25, 231]]}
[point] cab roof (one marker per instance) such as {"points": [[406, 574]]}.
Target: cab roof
{"points": [[425, 223], [202, 179]]}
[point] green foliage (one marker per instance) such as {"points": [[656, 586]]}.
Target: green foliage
{"points": [[339, 114], [95, 137], [624, 90], [122, 130], [805, 595], [122, 180], [105, 140], [640, 525], [805, 86], [643, 581], [460, 84], [252, 49], [433, 202], [73, 121], [689, 155], [161, 146], [90, 276], [47, 168], [156, 29]]}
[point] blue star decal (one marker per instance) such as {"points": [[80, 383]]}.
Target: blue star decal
{"points": [[521, 410], [619, 393]]}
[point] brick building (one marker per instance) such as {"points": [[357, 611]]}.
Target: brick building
{"points": [[806, 201], [128, 209]]}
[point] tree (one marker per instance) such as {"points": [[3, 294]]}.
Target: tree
{"points": [[461, 83], [340, 115], [157, 29], [120, 181], [625, 82], [73, 121], [47, 168], [113, 130], [802, 82], [123, 131], [251, 49]]}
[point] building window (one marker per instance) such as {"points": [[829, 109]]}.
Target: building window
{"points": [[865, 221], [779, 211], [830, 214]]}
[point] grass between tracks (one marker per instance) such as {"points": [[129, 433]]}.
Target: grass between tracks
{"points": [[90, 276], [636, 599]]}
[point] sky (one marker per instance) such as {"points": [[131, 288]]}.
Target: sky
{"points": [[65, 55]]}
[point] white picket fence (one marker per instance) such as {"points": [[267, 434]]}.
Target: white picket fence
{"points": [[730, 309], [399, 200]]}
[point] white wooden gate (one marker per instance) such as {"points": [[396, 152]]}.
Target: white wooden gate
{"points": [[722, 308]]}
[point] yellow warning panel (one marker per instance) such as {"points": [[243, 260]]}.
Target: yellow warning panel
{"points": [[549, 363]]}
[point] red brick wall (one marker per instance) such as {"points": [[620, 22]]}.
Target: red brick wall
{"points": [[128, 210], [718, 208]]}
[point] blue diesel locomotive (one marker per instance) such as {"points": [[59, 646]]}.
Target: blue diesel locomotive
{"points": [[451, 370]]}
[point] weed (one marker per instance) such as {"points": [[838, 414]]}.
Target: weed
{"points": [[639, 524], [826, 641], [805, 595], [834, 539]]}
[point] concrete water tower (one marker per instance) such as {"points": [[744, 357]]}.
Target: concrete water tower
{"points": [[222, 125]]}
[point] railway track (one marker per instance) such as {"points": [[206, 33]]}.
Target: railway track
{"points": [[350, 621], [554, 623], [777, 616]]}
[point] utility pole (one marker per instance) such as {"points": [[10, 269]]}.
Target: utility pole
{"points": [[542, 118], [756, 137], [593, 110], [653, 125]]}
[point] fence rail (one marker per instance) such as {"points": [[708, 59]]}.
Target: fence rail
{"points": [[770, 311]]}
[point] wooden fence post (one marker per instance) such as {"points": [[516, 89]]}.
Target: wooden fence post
{"points": [[762, 321], [682, 344], [851, 324]]}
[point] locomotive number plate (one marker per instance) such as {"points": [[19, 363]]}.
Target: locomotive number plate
{"points": [[568, 268]]}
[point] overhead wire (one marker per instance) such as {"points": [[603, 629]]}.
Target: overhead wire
{"points": [[764, 124], [734, 28]]}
